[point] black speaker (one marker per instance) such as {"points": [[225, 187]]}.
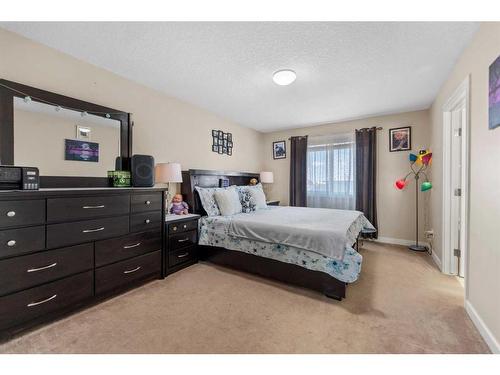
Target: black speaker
{"points": [[142, 170]]}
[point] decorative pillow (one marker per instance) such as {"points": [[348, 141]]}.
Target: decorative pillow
{"points": [[258, 196], [208, 200], [247, 202], [228, 201]]}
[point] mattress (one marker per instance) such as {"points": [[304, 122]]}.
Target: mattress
{"points": [[215, 231]]}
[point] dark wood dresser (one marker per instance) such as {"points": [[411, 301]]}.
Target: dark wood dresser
{"points": [[181, 239], [61, 249]]}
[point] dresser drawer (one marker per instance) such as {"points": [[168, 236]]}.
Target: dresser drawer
{"points": [[121, 274], [30, 270], [21, 241], [64, 209], [59, 235], [146, 221], [181, 256], [22, 213], [145, 202], [177, 241], [36, 302], [113, 250], [182, 226]]}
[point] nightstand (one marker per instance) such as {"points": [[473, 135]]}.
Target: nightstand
{"points": [[273, 203], [181, 239]]}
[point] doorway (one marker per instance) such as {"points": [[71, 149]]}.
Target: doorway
{"points": [[456, 182]]}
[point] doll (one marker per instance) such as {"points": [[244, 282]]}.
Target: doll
{"points": [[179, 207]]}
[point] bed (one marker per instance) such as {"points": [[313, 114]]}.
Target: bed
{"points": [[307, 247]]}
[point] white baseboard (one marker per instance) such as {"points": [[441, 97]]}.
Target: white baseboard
{"points": [[483, 329], [399, 241]]}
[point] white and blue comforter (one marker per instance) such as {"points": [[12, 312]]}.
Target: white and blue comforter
{"points": [[217, 231]]}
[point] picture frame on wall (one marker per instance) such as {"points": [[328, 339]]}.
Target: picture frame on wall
{"points": [[83, 133], [279, 150], [494, 95], [400, 139], [222, 143]]}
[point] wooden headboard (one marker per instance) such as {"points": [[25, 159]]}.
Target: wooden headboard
{"points": [[207, 178]]}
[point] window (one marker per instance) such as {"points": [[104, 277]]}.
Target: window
{"points": [[330, 171]]}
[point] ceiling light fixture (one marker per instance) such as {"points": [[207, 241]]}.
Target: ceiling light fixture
{"points": [[284, 77]]}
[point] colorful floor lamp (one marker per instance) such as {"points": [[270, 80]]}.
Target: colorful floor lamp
{"points": [[418, 165]]}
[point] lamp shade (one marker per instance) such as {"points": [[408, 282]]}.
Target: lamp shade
{"points": [[266, 177], [168, 172]]}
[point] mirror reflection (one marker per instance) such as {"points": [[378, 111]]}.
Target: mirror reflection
{"points": [[62, 142]]}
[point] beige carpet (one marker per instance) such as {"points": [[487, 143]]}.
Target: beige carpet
{"points": [[401, 304]]}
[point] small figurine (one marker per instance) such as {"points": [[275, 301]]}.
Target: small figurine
{"points": [[179, 207], [253, 181]]}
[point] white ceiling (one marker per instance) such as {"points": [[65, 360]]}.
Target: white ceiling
{"points": [[344, 70]]}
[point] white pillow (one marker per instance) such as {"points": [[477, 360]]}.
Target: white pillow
{"points": [[258, 196], [228, 201]]}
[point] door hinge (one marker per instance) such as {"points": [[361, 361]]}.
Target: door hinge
{"points": [[457, 252], [458, 132], [458, 192]]}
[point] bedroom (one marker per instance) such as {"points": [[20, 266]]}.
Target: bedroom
{"points": [[356, 135]]}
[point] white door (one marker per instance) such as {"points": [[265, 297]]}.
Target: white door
{"points": [[457, 178]]}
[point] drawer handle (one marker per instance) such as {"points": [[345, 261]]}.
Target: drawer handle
{"points": [[147, 221], [11, 213], [183, 240], [183, 255], [132, 271], [42, 268], [131, 246], [92, 230], [174, 229], [148, 202], [185, 226], [33, 304], [91, 207], [11, 243]]}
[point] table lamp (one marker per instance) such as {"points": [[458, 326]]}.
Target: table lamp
{"points": [[168, 173], [266, 177]]}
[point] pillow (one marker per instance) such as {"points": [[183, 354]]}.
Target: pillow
{"points": [[258, 196], [208, 200], [247, 202], [228, 201]]}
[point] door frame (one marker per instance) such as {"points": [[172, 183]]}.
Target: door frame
{"points": [[459, 99]]}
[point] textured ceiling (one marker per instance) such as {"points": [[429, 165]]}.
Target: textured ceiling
{"points": [[344, 70]]}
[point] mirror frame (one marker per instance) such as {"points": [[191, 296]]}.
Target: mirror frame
{"points": [[7, 131]]}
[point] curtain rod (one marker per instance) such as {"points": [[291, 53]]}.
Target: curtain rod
{"points": [[304, 136]]}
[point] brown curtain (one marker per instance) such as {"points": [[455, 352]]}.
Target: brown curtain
{"points": [[298, 171], [366, 174]]}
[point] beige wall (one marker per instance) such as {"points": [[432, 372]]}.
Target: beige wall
{"points": [[39, 141], [396, 208], [484, 250], [165, 127]]}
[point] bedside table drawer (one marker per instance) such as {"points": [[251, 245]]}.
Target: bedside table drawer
{"points": [[181, 256], [182, 226], [180, 240]]}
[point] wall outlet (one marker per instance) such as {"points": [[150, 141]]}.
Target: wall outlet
{"points": [[429, 233]]}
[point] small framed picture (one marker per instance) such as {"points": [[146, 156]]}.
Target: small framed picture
{"points": [[279, 150], [215, 141], [229, 151], [400, 139], [221, 149], [230, 137], [215, 148], [214, 133], [224, 150], [220, 134], [83, 133], [229, 143]]}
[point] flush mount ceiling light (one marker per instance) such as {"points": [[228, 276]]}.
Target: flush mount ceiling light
{"points": [[284, 77]]}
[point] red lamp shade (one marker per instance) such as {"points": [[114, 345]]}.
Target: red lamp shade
{"points": [[400, 184]]}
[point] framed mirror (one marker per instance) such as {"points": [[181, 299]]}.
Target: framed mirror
{"points": [[72, 142]]}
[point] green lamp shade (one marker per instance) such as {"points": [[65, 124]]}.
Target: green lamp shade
{"points": [[427, 185]]}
